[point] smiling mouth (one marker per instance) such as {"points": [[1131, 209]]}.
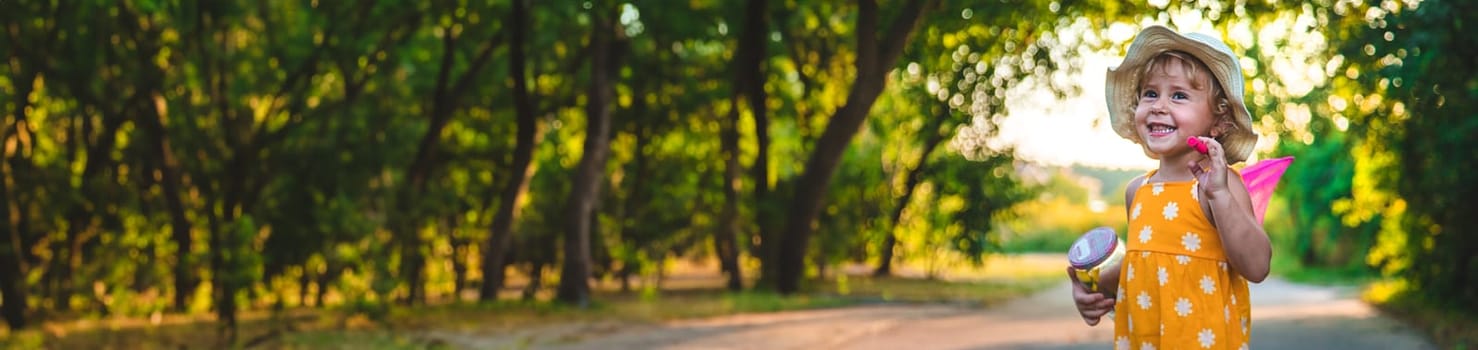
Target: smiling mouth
{"points": [[1158, 129]]}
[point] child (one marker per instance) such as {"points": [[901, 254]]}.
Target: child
{"points": [[1193, 241]]}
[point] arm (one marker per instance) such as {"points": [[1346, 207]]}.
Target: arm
{"points": [[1092, 305], [1109, 276], [1248, 249], [1247, 245]]}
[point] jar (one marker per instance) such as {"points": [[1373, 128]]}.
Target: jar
{"points": [[1094, 252]]}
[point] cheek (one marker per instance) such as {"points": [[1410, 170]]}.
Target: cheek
{"points": [[1140, 112]]}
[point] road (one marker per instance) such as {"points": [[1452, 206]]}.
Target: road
{"points": [[1285, 316]]}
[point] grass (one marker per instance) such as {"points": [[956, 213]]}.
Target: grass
{"points": [[687, 293], [1445, 322], [1447, 327], [1285, 265]]}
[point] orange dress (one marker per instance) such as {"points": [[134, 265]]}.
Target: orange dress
{"points": [[1175, 288]]}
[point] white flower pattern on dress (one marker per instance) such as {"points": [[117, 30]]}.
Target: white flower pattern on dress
{"points": [[1191, 241], [1122, 343], [1183, 307], [1179, 299]]}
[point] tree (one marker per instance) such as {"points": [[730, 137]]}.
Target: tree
{"points": [[933, 137], [496, 249], [749, 82], [1409, 100], [874, 59], [574, 285]]}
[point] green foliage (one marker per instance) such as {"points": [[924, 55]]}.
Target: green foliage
{"points": [[1412, 101], [984, 202], [284, 138]]}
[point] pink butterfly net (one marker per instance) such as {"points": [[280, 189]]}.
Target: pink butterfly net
{"points": [[1261, 179]]}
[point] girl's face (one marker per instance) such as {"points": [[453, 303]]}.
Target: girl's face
{"points": [[1172, 107]]}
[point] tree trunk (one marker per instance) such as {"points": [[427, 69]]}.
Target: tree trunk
{"points": [[12, 252], [756, 33], [749, 80], [536, 280], [324, 279], [724, 238], [574, 285], [405, 227], [214, 73], [81, 213], [915, 176], [153, 123], [12, 293], [523, 154], [12, 256], [874, 59], [13, 305], [444, 101]]}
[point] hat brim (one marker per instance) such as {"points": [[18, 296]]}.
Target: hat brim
{"points": [[1123, 80]]}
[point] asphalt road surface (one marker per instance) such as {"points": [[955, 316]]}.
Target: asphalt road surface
{"points": [[1285, 316]]}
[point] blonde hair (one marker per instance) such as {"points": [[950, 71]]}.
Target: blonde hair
{"points": [[1199, 75]]}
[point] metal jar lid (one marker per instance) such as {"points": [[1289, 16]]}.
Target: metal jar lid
{"points": [[1093, 248]]}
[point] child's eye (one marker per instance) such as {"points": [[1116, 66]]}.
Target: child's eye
{"points": [[1179, 96], [1150, 94]]}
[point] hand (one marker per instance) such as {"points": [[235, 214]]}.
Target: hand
{"points": [[1211, 169], [1091, 305]]}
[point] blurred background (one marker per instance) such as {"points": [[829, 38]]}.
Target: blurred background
{"points": [[235, 167]]}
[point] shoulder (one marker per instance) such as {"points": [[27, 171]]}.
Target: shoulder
{"points": [[1131, 187]]}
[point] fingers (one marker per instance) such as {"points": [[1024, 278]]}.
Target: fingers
{"points": [[1091, 306], [1215, 152], [1093, 312], [1081, 294]]}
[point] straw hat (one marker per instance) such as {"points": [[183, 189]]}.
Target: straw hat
{"points": [[1122, 90]]}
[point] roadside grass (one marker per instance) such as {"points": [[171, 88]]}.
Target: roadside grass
{"points": [[686, 293], [1445, 322], [1286, 265], [1442, 322]]}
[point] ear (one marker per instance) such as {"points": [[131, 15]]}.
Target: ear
{"points": [[1222, 127], [1223, 112], [1222, 108]]}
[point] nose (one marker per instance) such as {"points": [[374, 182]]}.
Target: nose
{"points": [[1158, 105]]}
